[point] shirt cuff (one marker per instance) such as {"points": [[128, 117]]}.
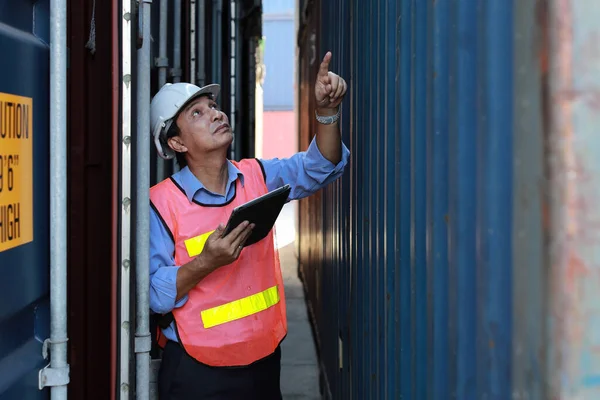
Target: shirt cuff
{"points": [[181, 301], [316, 162], [164, 283]]}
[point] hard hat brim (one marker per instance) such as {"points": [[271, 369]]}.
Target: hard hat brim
{"points": [[213, 90]]}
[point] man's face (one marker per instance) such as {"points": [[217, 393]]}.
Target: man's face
{"points": [[203, 128]]}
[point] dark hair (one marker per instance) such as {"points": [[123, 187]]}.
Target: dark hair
{"points": [[172, 132]]}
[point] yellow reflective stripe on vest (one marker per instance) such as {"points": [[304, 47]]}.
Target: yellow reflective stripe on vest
{"points": [[195, 245], [240, 308]]}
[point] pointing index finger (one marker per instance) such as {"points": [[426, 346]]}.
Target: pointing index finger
{"points": [[324, 69]]}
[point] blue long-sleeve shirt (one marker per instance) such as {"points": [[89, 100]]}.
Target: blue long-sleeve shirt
{"points": [[306, 172]]}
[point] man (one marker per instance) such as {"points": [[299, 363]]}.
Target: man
{"points": [[222, 304]]}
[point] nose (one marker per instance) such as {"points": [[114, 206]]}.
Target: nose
{"points": [[217, 115]]}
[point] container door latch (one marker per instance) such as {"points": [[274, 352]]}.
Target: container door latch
{"points": [[48, 376]]}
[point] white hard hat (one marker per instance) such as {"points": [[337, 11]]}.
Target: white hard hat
{"points": [[166, 104]]}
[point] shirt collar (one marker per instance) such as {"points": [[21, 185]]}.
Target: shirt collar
{"points": [[191, 185]]}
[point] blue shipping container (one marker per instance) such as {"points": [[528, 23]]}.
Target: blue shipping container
{"points": [[278, 7], [280, 36], [24, 186], [456, 257]]}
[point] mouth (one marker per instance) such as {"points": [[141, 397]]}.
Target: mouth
{"points": [[222, 128]]}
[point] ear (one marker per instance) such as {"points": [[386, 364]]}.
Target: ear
{"points": [[177, 145]]}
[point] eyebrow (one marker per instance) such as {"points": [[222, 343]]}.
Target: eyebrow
{"points": [[199, 99]]}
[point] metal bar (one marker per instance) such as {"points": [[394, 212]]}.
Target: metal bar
{"points": [[217, 41], [200, 43], [162, 63], [142, 326], [125, 217], [58, 193], [238, 115], [116, 242], [234, 24], [246, 147], [192, 7], [176, 72]]}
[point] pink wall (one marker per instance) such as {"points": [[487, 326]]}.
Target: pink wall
{"points": [[279, 134]]}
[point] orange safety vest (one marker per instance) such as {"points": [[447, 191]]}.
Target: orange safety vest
{"points": [[236, 315]]}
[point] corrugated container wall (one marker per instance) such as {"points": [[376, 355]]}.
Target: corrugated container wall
{"points": [[456, 257], [24, 187]]}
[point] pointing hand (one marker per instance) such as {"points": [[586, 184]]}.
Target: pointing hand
{"points": [[330, 88]]}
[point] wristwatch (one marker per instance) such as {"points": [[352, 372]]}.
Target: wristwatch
{"points": [[328, 120]]}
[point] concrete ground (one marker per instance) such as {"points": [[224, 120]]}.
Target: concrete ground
{"points": [[299, 367]]}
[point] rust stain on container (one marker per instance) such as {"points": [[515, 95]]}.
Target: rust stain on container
{"points": [[542, 18], [576, 270]]}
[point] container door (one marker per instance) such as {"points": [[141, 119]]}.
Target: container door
{"points": [[24, 199]]}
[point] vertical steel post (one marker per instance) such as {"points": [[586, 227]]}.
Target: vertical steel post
{"points": [[57, 375], [234, 71], [217, 41], [200, 43], [125, 218], [176, 72], [162, 63], [142, 245]]}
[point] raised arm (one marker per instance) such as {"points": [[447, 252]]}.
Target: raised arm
{"points": [[326, 157]]}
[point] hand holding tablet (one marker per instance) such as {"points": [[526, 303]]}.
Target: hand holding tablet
{"points": [[262, 212]]}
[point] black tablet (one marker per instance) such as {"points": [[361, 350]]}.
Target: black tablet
{"points": [[262, 212]]}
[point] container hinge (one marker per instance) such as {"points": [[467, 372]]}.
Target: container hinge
{"points": [[53, 376], [143, 344], [49, 376]]}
